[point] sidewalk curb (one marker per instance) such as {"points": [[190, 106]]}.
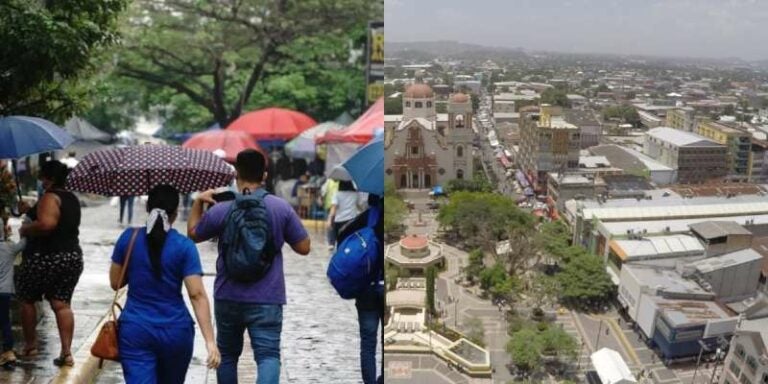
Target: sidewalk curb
{"points": [[86, 365]]}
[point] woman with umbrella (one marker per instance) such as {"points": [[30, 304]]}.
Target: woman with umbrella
{"points": [[53, 260]]}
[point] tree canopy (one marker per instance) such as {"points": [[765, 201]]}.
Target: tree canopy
{"points": [[46, 54], [394, 210], [555, 96], [584, 281], [213, 61]]}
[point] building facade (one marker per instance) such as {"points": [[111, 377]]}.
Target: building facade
{"points": [[737, 142], [422, 152], [683, 119], [696, 158], [547, 142]]}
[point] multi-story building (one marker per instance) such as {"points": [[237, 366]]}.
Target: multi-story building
{"points": [[738, 144], [547, 142], [590, 128], [758, 162], [683, 119], [697, 159], [423, 151], [747, 360]]}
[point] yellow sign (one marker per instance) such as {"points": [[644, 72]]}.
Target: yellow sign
{"points": [[377, 46], [375, 91]]}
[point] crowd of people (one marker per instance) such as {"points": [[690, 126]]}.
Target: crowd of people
{"points": [[156, 329]]}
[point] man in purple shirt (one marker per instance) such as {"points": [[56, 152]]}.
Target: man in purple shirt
{"points": [[256, 307]]}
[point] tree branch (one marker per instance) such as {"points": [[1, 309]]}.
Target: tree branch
{"points": [[125, 70]]}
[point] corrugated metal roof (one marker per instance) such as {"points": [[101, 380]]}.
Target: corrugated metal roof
{"points": [[680, 138]]}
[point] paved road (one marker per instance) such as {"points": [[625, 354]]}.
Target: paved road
{"points": [[320, 333]]}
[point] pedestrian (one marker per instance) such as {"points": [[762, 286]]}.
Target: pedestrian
{"points": [[255, 306], [157, 333], [370, 302], [328, 191], [126, 202], [347, 203], [52, 261], [8, 252]]}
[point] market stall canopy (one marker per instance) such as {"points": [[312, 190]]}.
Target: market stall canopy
{"points": [[304, 146], [273, 124], [82, 130], [229, 143], [362, 130]]}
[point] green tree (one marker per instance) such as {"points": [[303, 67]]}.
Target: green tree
{"points": [[556, 341], [525, 349], [553, 238], [584, 282], [225, 58], [394, 211], [46, 53], [555, 96], [729, 110], [474, 330], [481, 219], [475, 101], [475, 265], [430, 277], [393, 105], [602, 88]]}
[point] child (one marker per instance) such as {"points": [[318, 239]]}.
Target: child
{"points": [[8, 252]]}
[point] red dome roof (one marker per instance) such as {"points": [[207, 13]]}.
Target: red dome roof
{"points": [[419, 91], [459, 98], [414, 242]]}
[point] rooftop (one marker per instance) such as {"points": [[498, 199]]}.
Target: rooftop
{"points": [[594, 162], [665, 280], [657, 246], [414, 242], [714, 229], [727, 260], [680, 138], [689, 312]]}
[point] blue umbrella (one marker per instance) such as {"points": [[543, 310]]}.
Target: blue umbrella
{"points": [[22, 136], [366, 167]]}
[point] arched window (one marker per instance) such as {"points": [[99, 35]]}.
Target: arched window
{"points": [[419, 104], [459, 151], [414, 180], [460, 174], [427, 181], [403, 181], [459, 120]]}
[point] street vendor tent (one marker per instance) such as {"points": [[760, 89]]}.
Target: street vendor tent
{"points": [[611, 368], [342, 143]]}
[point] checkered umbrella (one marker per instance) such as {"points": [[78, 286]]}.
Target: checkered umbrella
{"points": [[134, 170]]}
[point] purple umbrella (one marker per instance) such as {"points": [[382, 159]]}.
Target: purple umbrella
{"points": [[135, 170]]}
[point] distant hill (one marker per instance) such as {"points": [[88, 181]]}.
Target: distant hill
{"points": [[448, 48]]}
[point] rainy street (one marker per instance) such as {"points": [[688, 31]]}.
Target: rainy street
{"points": [[320, 342]]}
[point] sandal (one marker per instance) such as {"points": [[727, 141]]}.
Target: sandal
{"points": [[63, 361], [29, 353]]}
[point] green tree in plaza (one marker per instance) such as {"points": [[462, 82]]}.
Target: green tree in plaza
{"points": [[584, 281], [556, 341], [430, 275], [555, 96], [479, 183], [552, 238], [524, 347], [475, 101], [474, 330], [626, 113], [46, 53], [213, 61], [394, 211], [481, 219], [475, 265]]}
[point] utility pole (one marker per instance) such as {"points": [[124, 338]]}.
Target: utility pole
{"points": [[698, 360], [597, 339]]}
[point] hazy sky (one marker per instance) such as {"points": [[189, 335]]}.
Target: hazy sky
{"points": [[694, 28]]}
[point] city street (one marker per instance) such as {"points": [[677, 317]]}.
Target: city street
{"points": [[320, 342]]}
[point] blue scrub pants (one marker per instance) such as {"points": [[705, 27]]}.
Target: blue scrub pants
{"points": [[155, 354]]}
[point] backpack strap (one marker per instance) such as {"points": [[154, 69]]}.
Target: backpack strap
{"points": [[374, 212]]}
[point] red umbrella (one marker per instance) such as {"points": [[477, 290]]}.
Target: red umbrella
{"points": [[135, 170], [273, 124], [231, 142], [362, 130]]}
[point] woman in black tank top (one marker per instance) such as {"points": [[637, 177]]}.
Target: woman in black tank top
{"points": [[53, 261]]}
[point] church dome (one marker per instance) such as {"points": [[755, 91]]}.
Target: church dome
{"points": [[419, 91], [459, 98]]}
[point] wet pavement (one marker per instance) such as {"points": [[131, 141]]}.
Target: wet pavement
{"points": [[320, 340]]}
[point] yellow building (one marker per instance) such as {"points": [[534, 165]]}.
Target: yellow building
{"points": [[682, 118], [738, 143]]}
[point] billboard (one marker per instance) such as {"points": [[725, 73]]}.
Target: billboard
{"points": [[374, 69]]}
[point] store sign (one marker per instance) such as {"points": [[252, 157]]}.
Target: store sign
{"points": [[375, 62]]}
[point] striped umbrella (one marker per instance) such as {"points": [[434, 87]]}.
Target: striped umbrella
{"points": [[135, 170]]}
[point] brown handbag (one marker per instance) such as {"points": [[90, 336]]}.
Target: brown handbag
{"points": [[105, 346]]}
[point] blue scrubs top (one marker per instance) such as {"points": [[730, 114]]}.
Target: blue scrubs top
{"points": [[151, 300]]}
